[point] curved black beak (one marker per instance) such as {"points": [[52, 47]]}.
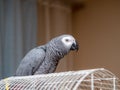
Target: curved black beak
{"points": [[75, 46]]}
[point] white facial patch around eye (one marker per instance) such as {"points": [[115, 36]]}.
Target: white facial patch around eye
{"points": [[68, 41]]}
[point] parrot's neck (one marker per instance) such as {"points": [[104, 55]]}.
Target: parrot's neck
{"points": [[56, 51]]}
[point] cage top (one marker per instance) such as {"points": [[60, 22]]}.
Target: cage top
{"points": [[87, 72], [71, 80]]}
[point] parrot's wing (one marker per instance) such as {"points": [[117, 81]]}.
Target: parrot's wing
{"points": [[31, 61]]}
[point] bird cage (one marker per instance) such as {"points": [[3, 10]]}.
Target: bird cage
{"points": [[93, 79]]}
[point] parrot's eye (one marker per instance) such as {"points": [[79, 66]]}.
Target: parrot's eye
{"points": [[67, 40]]}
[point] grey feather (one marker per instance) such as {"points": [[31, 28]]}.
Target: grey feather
{"points": [[31, 61], [44, 59]]}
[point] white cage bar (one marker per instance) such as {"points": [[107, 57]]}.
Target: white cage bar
{"points": [[93, 79]]}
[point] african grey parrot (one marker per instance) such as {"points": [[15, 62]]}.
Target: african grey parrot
{"points": [[44, 59]]}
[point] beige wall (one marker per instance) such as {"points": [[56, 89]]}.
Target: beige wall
{"points": [[97, 27]]}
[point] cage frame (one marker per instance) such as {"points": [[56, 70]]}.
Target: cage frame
{"points": [[71, 80]]}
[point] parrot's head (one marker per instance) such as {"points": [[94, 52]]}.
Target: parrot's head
{"points": [[63, 44], [70, 43]]}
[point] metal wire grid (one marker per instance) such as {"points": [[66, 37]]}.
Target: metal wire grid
{"points": [[94, 79], [100, 80]]}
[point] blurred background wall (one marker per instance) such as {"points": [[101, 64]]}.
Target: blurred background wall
{"points": [[97, 27], [94, 23]]}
